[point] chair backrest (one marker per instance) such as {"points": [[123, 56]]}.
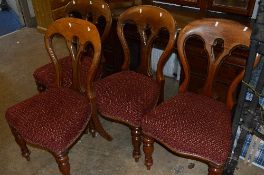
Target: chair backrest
{"points": [[95, 11], [83, 33], [149, 20], [229, 34]]}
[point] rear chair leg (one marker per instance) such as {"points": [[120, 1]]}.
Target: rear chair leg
{"points": [[99, 128], [40, 87], [22, 144], [91, 129], [148, 148], [215, 170], [136, 142]]}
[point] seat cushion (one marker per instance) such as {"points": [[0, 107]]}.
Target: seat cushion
{"points": [[46, 75], [192, 124], [52, 120], [126, 96]]}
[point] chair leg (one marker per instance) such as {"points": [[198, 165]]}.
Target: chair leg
{"points": [[63, 163], [148, 148], [99, 128], [91, 129], [136, 142], [215, 170], [40, 87], [22, 144]]}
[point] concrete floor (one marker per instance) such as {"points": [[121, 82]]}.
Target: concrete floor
{"points": [[20, 54]]}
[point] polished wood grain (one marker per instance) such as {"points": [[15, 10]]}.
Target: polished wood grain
{"points": [[229, 34], [70, 28], [239, 7], [92, 11], [153, 19], [82, 33], [146, 18], [219, 38], [148, 21], [85, 33], [43, 14]]}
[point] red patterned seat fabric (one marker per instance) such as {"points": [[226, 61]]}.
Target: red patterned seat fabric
{"points": [[46, 75], [192, 124], [126, 96], [52, 120]]}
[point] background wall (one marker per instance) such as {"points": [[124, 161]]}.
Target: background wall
{"points": [[15, 6], [255, 9]]}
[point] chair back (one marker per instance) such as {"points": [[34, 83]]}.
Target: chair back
{"points": [[226, 34], [149, 20], [83, 33], [96, 11]]}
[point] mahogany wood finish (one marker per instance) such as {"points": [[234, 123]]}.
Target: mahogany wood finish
{"points": [[63, 163], [22, 144], [231, 6], [154, 19], [148, 148], [149, 21], [229, 35], [136, 142], [69, 29], [240, 7], [93, 11]]}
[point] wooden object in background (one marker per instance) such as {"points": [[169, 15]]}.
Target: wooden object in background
{"points": [[240, 7]]}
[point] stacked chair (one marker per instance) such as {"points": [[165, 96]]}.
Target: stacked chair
{"points": [[97, 12], [55, 119], [196, 126]]}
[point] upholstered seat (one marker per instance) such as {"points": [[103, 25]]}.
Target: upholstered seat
{"points": [[47, 74], [192, 124], [43, 121], [126, 96]]}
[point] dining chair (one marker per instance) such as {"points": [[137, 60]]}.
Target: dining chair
{"points": [[195, 125], [127, 95], [95, 11], [55, 119]]}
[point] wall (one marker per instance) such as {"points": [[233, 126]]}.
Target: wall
{"points": [[15, 6], [31, 10], [255, 9]]}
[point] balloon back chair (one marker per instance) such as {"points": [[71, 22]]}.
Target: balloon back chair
{"points": [[195, 125], [127, 95], [95, 11], [55, 119]]}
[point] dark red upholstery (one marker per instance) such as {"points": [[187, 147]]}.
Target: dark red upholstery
{"points": [[50, 120], [192, 124], [46, 74], [126, 96]]}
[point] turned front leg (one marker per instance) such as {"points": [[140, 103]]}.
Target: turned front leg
{"points": [[148, 148], [22, 144], [63, 163], [136, 142]]}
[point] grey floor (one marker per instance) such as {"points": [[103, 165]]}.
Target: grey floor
{"points": [[20, 54]]}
